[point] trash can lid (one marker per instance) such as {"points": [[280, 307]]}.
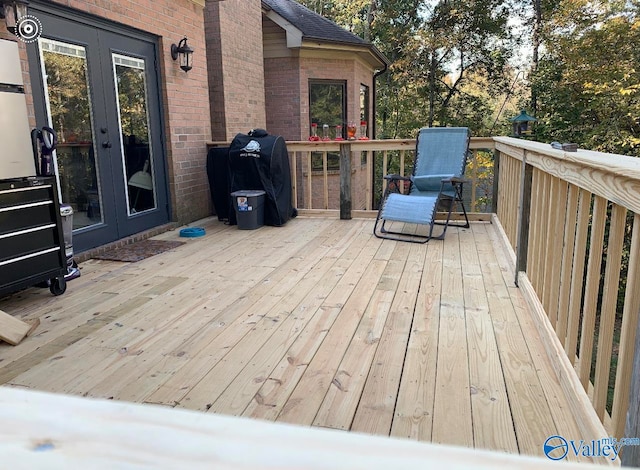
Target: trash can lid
{"points": [[248, 193], [66, 209]]}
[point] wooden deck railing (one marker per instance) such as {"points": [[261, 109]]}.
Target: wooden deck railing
{"points": [[317, 186], [573, 221]]}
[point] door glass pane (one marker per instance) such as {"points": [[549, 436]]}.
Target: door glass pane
{"points": [[131, 92], [70, 112]]}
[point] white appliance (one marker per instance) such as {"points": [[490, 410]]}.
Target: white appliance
{"points": [[16, 151]]}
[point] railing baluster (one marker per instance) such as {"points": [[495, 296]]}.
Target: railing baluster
{"points": [[345, 181], [309, 204], [385, 169], [370, 172], [524, 218], [557, 215], [325, 177], [570, 225], [608, 309], [533, 254], [516, 166], [543, 247], [474, 180], [294, 176], [577, 274], [496, 180], [592, 288]]}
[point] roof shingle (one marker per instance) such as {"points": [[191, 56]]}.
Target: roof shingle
{"points": [[311, 24]]}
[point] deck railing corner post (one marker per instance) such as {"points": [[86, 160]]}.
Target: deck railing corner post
{"points": [[496, 179], [524, 214]]}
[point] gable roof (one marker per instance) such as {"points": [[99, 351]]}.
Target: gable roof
{"points": [[311, 26]]}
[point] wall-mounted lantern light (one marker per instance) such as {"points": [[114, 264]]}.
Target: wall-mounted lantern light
{"points": [[523, 124], [182, 52], [11, 11]]}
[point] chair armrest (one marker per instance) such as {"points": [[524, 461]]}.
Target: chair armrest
{"points": [[394, 184], [456, 179], [394, 177]]}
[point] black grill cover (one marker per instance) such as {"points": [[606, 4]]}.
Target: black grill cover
{"points": [[260, 161], [218, 174]]}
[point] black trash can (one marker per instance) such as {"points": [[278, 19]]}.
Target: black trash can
{"points": [[249, 208]]}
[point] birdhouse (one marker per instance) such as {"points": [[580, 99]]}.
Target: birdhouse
{"points": [[523, 124]]}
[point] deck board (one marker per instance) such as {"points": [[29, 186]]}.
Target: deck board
{"points": [[491, 415], [315, 323], [414, 407], [453, 390]]}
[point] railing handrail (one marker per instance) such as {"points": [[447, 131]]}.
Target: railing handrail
{"points": [[363, 145], [614, 177], [615, 163]]}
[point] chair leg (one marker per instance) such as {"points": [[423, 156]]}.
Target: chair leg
{"points": [[446, 222], [464, 211], [459, 199]]}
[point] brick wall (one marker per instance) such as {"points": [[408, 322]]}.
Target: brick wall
{"points": [[214, 64], [185, 95], [282, 92], [234, 37]]}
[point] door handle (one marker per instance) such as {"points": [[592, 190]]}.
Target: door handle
{"points": [[106, 144]]}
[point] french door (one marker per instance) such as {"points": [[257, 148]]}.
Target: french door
{"points": [[98, 89]]}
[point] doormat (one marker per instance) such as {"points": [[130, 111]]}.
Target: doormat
{"points": [[138, 251]]}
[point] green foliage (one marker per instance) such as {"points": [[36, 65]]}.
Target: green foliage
{"points": [[439, 52], [68, 96], [588, 80], [450, 65], [133, 103], [327, 104]]}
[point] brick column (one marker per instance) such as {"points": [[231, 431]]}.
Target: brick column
{"points": [[233, 30]]}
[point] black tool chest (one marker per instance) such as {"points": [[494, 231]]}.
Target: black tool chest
{"points": [[31, 237]]}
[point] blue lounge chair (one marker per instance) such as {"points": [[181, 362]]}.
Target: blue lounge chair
{"points": [[441, 156]]}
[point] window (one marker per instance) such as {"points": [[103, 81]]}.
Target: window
{"points": [[364, 107], [327, 105], [365, 124]]}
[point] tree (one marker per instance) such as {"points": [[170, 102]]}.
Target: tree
{"points": [[588, 80], [434, 48]]}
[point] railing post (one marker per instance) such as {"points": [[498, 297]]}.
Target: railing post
{"points": [[496, 181], [345, 181], [524, 213]]}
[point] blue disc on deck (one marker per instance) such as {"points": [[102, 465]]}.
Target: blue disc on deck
{"points": [[192, 232]]}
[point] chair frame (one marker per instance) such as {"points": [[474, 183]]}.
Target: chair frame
{"points": [[393, 186]]}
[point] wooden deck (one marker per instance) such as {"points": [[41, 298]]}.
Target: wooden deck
{"points": [[316, 323]]}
